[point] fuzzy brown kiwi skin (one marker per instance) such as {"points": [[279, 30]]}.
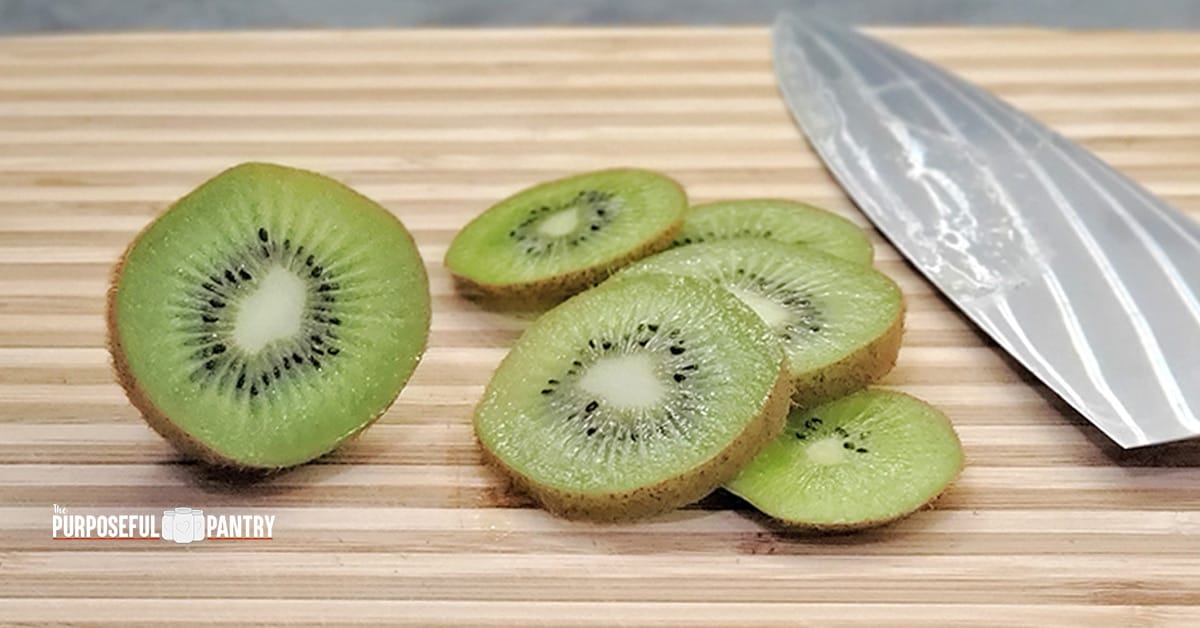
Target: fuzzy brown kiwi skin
{"points": [[671, 493], [156, 418], [864, 366], [552, 290], [857, 526]]}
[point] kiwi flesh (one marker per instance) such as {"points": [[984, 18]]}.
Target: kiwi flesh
{"points": [[857, 462], [634, 398], [267, 316], [555, 239], [781, 220], [840, 323]]}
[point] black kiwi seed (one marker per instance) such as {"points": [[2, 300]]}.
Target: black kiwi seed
{"points": [[679, 377], [262, 234], [676, 350], [591, 406]]}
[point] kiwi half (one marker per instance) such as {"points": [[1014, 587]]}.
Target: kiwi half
{"points": [[857, 462], [555, 239], [267, 316], [840, 323], [784, 221], [634, 398]]}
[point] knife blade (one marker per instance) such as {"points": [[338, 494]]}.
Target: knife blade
{"points": [[1082, 275]]}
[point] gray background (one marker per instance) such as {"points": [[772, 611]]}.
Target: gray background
{"points": [[17, 16]]}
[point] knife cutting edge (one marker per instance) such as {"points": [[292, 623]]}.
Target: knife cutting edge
{"points": [[1083, 276]]}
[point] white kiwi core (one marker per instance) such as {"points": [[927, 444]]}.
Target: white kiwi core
{"points": [[774, 314], [625, 381], [560, 223], [827, 451], [272, 312]]}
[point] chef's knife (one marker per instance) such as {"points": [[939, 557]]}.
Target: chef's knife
{"points": [[1086, 278]]}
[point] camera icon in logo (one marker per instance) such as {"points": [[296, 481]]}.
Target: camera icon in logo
{"points": [[183, 525]]}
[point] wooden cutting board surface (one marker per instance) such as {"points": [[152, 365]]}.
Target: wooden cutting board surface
{"points": [[1050, 524]]}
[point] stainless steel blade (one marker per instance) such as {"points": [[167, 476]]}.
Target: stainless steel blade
{"points": [[1086, 278]]}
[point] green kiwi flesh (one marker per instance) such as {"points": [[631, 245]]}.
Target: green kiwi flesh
{"points": [[857, 462], [784, 221], [267, 316], [840, 323], [634, 398], [555, 239]]}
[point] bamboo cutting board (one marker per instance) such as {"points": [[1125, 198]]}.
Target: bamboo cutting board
{"points": [[1049, 525]]}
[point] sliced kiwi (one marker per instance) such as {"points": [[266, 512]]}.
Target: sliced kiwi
{"points": [[789, 222], [557, 238], [267, 316], [840, 322], [857, 462], [634, 398]]}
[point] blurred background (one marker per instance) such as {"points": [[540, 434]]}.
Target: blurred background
{"points": [[19, 16]]}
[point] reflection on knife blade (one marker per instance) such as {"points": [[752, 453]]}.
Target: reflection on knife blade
{"points": [[1077, 271]]}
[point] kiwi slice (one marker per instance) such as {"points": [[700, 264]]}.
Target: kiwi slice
{"points": [[857, 462], [789, 222], [555, 239], [267, 316], [634, 398], [840, 322]]}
